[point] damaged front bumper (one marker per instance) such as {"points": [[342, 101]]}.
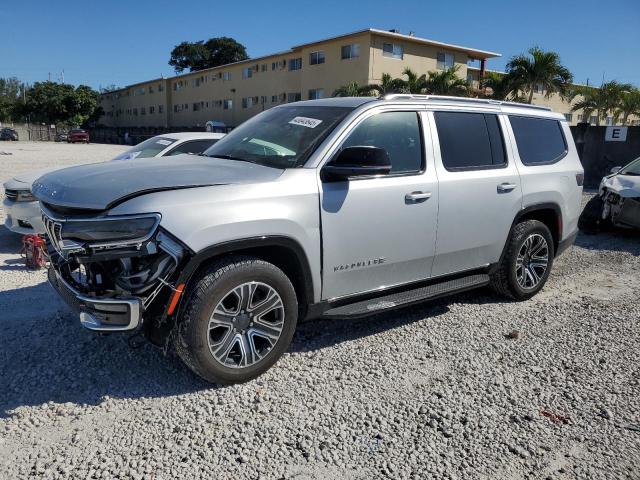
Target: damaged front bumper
{"points": [[97, 313], [115, 286]]}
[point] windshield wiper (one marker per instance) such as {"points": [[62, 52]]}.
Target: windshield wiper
{"points": [[228, 157]]}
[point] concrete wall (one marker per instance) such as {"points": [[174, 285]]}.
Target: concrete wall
{"points": [[598, 156]]}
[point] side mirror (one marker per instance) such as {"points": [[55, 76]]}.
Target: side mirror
{"points": [[357, 162], [615, 169]]}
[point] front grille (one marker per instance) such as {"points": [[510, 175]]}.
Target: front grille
{"points": [[54, 232], [11, 195]]}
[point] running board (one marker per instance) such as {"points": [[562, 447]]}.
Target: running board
{"points": [[408, 297]]}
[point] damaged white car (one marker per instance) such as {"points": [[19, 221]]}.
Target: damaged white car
{"points": [[617, 203]]}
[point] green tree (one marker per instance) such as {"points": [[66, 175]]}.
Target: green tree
{"points": [[353, 89], [51, 102], [212, 53], [388, 85], [10, 94], [603, 100], [629, 105], [446, 82], [540, 69], [502, 86]]}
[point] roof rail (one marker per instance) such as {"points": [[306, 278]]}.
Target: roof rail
{"points": [[462, 100]]}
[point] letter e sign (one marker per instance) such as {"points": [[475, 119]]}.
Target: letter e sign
{"points": [[616, 134]]}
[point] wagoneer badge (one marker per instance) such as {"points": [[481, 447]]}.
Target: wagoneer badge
{"points": [[359, 264]]}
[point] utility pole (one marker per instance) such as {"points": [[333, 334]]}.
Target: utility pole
{"points": [[49, 76], [62, 76]]}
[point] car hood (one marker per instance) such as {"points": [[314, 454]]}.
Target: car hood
{"points": [[626, 186], [101, 186], [23, 181]]}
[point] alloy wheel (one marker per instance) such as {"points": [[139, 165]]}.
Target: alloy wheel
{"points": [[245, 325], [532, 261]]}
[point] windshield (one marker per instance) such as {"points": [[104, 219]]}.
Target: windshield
{"points": [[282, 137], [148, 148], [632, 169]]}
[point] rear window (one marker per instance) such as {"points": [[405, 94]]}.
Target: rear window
{"points": [[540, 141], [470, 141]]}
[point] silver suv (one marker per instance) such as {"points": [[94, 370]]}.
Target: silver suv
{"points": [[337, 208]]}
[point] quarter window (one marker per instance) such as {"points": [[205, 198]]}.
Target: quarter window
{"points": [[540, 141], [445, 61], [316, 58], [350, 51], [392, 50], [396, 132], [470, 141]]}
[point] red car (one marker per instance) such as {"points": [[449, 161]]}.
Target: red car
{"points": [[78, 135]]}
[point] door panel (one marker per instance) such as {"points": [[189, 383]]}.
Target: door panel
{"points": [[379, 232], [477, 208]]}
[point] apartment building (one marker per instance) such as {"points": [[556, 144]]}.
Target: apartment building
{"points": [[233, 93]]}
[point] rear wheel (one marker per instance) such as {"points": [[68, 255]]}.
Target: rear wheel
{"points": [[591, 220], [240, 317], [527, 262]]}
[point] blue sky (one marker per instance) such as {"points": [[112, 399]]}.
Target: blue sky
{"points": [[122, 42]]}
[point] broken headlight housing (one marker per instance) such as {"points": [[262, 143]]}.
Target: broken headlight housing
{"points": [[106, 230]]}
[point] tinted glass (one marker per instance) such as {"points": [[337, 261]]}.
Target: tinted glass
{"points": [[470, 140], [282, 137], [194, 147], [149, 148], [539, 140], [398, 133], [632, 169]]}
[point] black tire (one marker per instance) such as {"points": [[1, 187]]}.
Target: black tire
{"points": [[505, 279], [591, 221], [211, 287]]}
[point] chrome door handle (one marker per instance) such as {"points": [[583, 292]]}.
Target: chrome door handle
{"points": [[417, 196], [506, 187]]}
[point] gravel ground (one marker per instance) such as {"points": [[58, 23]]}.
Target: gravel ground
{"points": [[467, 387]]}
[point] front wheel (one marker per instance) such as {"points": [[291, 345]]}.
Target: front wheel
{"points": [[239, 319], [527, 261]]}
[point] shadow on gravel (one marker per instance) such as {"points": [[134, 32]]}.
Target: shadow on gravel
{"points": [[10, 242], [322, 333], [45, 356], [618, 241]]}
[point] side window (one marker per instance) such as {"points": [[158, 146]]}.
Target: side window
{"points": [[195, 147], [470, 141], [540, 141], [398, 133]]}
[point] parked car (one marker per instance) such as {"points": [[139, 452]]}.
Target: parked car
{"points": [[22, 211], [62, 137], [358, 205], [617, 203], [78, 135], [9, 134]]}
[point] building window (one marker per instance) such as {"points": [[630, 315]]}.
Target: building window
{"points": [[608, 121], [152, 110], [263, 67], [263, 99], [175, 109], [160, 87], [228, 104], [150, 88], [160, 108], [294, 97], [143, 111], [196, 107], [316, 93], [392, 50], [568, 117], [579, 117], [247, 72], [593, 119], [445, 61], [274, 98], [226, 76], [246, 102], [295, 64], [135, 111], [350, 51], [316, 58]]}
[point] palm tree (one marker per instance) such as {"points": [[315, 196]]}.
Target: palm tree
{"points": [[603, 100], [352, 89], [540, 69], [414, 83], [389, 85], [503, 86], [447, 82], [629, 105]]}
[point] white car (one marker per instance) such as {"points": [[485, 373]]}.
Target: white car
{"points": [[23, 212]]}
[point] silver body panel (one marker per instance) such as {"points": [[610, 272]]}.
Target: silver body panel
{"points": [[364, 223]]}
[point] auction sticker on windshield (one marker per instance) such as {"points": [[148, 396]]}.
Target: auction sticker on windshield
{"points": [[306, 122], [164, 142]]}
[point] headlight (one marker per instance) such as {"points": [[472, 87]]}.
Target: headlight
{"points": [[107, 230], [20, 195]]}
